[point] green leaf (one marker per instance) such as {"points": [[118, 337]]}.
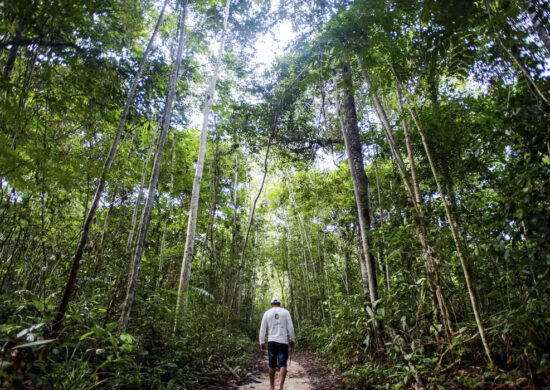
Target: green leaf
{"points": [[34, 344], [85, 335], [111, 326], [126, 338]]}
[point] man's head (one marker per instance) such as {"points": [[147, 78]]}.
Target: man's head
{"points": [[275, 302]]}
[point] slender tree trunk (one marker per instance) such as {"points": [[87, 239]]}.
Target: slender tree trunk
{"points": [[388, 130], [101, 248], [11, 258], [431, 264], [253, 298], [378, 244], [235, 207], [327, 283], [514, 54], [405, 125], [290, 278], [280, 276], [308, 287], [381, 227], [148, 207], [162, 246], [344, 248], [305, 237], [69, 287], [167, 215], [415, 198], [139, 199], [456, 239], [359, 177], [361, 260], [242, 262], [185, 272], [211, 232], [228, 284]]}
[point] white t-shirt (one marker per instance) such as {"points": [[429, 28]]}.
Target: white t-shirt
{"points": [[279, 325]]}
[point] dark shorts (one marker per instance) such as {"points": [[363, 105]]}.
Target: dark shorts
{"points": [[277, 353]]}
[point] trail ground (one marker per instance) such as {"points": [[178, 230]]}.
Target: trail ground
{"points": [[305, 372]]}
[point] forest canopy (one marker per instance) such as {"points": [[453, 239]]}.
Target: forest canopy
{"points": [[167, 166]]}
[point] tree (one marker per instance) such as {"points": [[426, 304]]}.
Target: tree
{"points": [[191, 225], [153, 182], [75, 264], [350, 132]]}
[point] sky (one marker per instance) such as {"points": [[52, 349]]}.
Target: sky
{"points": [[265, 50], [272, 44]]}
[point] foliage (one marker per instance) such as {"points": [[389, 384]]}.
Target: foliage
{"points": [[466, 81]]}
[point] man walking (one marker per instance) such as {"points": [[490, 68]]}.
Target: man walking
{"points": [[278, 323]]}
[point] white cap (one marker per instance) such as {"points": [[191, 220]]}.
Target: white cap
{"points": [[275, 300]]}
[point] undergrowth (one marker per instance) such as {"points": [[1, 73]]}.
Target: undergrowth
{"points": [[92, 356], [408, 353]]}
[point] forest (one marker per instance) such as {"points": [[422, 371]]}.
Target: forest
{"points": [[167, 166]]}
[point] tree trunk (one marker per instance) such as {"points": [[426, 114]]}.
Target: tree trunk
{"points": [[69, 287], [167, 215], [414, 196], [305, 237], [10, 259], [360, 259], [328, 288], [226, 293], [211, 232], [359, 177], [162, 246], [514, 54], [185, 272], [250, 222], [388, 130], [253, 298], [148, 207], [381, 227], [235, 207], [292, 302], [456, 239], [101, 246], [431, 263], [345, 274], [139, 199]]}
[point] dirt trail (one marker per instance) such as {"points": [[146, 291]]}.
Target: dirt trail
{"points": [[304, 373], [296, 379]]}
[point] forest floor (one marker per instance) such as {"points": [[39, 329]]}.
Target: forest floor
{"points": [[305, 372]]}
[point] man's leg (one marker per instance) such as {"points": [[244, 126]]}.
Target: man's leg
{"points": [[282, 357], [271, 378], [272, 358], [282, 376]]}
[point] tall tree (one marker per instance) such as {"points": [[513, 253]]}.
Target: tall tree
{"points": [[457, 241], [75, 263], [153, 182], [185, 272], [350, 131]]}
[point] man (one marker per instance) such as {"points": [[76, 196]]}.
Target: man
{"points": [[278, 323]]}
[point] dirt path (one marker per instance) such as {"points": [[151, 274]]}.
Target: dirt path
{"points": [[296, 379], [304, 373]]}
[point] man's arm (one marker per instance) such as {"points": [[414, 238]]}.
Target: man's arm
{"points": [[262, 330], [290, 330]]}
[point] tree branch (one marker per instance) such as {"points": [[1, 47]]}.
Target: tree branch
{"points": [[39, 42]]}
